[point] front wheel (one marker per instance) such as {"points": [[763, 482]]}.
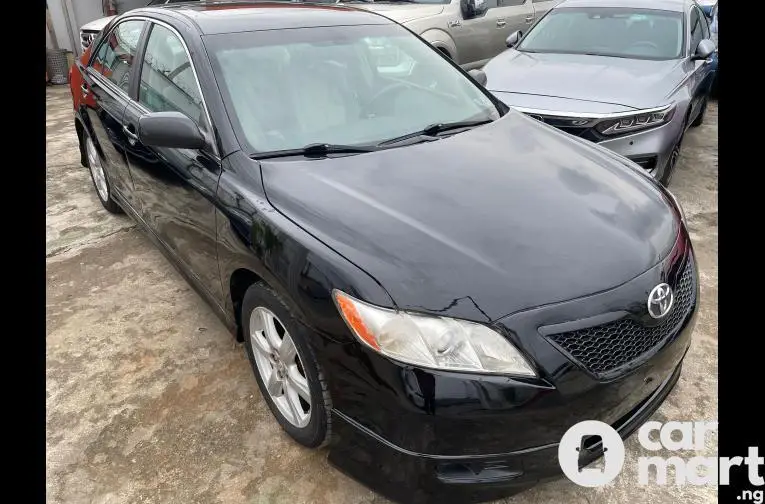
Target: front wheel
{"points": [[700, 118], [98, 175], [674, 156], [288, 374]]}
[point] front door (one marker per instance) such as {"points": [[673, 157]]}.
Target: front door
{"points": [[512, 16], [474, 37], [176, 186], [105, 96], [701, 79]]}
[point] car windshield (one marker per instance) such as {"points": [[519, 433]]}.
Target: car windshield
{"points": [[348, 85], [600, 31]]}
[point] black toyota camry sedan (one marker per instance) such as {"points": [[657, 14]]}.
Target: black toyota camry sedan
{"points": [[433, 285]]}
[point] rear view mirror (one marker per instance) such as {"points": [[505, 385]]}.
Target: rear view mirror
{"points": [[704, 50], [513, 38], [479, 76], [169, 129]]}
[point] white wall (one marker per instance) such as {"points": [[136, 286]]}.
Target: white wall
{"points": [[80, 12]]}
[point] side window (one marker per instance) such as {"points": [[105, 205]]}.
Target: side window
{"points": [[490, 4], [511, 3], [167, 80], [114, 59], [697, 34]]}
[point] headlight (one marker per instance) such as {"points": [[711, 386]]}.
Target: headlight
{"points": [[636, 122], [431, 342]]}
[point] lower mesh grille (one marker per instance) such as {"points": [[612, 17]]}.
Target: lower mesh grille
{"points": [[605, 348], [646, 162]]}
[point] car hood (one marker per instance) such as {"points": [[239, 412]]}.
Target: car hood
{"points": [[624, 82], [97, 25], [402, 12], [505, 217], [541, 103]]}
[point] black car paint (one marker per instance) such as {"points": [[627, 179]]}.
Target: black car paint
{"points": [[305, 227], [551, 212]]}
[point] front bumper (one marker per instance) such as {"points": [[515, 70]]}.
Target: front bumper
{"points": [[420, 435], [410, 477], [650, 149]]}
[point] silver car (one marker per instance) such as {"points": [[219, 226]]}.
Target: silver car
{"points": [[470, 32], [631, 75]]}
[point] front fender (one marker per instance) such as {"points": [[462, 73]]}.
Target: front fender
{"points": [[441, 40], [254, 236]]}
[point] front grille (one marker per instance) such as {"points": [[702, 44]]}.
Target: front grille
{"points": [[605, 348], [86, 38], [570, 126]]}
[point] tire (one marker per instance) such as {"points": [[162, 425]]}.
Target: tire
{"points": [[669, 168], [98, 175], [267, 321], [700, 118]]}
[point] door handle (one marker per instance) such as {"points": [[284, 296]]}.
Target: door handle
{"points": [[529, 19], [501, 23], [84, 88], [132, 137]]}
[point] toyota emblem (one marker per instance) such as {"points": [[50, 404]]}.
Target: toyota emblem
{"points": [[660, 301]]}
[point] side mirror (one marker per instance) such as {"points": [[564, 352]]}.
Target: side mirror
{"points": [[479, 76], [169, 129], [704, 50], [473, 8], [513, 38]]}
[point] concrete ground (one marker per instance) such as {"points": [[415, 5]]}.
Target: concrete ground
{"points": [[149, 400]]}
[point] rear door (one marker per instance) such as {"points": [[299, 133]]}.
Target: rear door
{"points": [[105, 97], [512, 16], [176, 187]]}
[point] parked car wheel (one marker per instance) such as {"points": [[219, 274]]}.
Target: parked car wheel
{"points": [[700, 118], [669, 168], [288, 374], [99, 177]]}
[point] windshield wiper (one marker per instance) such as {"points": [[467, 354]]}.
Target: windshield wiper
{"points": [[315, 150], [435, 129]]}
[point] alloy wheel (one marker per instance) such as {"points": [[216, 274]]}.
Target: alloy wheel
{"points": [[280, 367], [97, 170]]}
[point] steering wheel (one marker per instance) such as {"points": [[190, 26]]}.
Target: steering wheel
{"points": [[644, 43], [391, 88]]}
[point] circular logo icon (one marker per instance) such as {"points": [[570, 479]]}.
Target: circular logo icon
{"points": [[572, 444], [660, 301]]}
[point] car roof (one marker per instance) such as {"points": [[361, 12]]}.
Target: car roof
{"points": [[667, 5], [228, 17]]}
